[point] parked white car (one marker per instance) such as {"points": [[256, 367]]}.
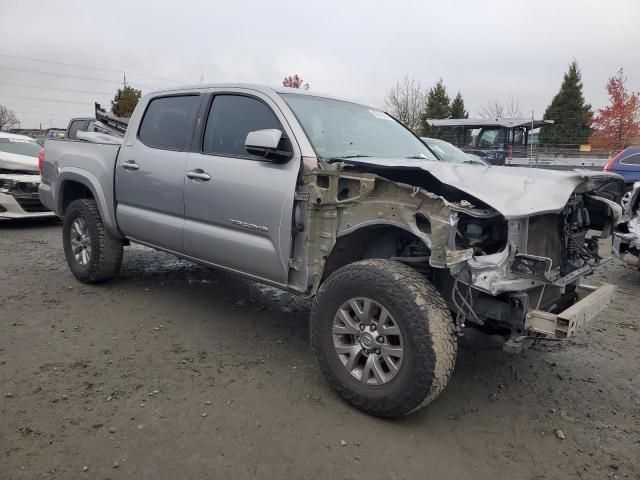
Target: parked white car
{"points": [[19, 178]]}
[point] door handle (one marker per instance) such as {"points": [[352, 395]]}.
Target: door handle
{"points": [[198, 174], [130, 165]]}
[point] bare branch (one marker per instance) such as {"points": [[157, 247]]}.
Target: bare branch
{"points": [[405, 101], [8, 119], [496, 109]]}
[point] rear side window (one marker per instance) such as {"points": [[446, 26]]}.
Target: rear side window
{"points": [[168, 122], [631, 159], [231, 118], [75, 127]]}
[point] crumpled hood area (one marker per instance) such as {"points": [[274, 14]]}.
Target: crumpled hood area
{"points": [[513, 191]]}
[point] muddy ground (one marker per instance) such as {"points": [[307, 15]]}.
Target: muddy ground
{"points": [[175, 371]]}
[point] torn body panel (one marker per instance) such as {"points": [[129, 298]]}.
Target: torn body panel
{"points": [[491, 270], [341, 203]]}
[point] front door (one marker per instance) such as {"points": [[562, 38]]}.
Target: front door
{"points": [[238, 206], [150, 172]]}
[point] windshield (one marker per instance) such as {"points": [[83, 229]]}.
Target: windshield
{"points": [[446, 151], [339, 129], [20, 146]]}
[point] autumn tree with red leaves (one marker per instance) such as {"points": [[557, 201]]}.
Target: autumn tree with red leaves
{"points": [[618, 125], [295, 81]]}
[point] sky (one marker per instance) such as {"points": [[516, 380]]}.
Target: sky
{"points": [[352, 49]]}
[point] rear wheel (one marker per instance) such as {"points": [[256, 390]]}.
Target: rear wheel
{"points": [[383, 336], [92, 252]]}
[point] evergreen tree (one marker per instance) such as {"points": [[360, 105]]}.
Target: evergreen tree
{"points": [[125, 101], [569, 111], [438, 106], [457, 107]]}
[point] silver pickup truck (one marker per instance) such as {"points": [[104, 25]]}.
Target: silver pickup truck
{"points": [[339, 202]]}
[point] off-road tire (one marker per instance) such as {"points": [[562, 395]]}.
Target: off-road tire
{"points": [[424, 320], [106, 249]]}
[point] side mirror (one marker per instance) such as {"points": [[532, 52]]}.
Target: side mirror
{"points": [[265, 143]]}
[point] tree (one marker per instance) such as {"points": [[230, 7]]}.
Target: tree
{"points": [[618, 125], [570, 113], [405, 101], [8, 119], [125, 101], [295, 81], [438, 106], [457, 107], [496, 109]]}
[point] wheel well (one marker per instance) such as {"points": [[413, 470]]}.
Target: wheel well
{"points": [[377, 241], [71, 191]]}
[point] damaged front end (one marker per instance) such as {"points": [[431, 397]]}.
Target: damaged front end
{"points": [[498, 272], [19, 196], [626, 236]]}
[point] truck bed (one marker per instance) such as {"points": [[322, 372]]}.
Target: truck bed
{"points": [[91, 164]]}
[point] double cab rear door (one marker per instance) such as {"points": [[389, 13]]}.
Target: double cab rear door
{"points": [[186, 184]]}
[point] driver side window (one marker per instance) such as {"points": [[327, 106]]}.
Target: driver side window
{"points": [[231, 118]]}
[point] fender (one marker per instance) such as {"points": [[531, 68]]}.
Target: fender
{"points": [[104, 200]]}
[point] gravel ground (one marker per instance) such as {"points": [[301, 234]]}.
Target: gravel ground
{"points": [[175, 371]]}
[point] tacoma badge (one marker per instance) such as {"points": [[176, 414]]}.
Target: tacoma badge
{"points": [[251, 226]]}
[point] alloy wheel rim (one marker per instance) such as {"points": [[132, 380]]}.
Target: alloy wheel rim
{"points": [[367, 341], [80, 241], [626, 198]]}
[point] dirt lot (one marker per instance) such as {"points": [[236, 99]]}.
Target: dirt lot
{"points": [[175, 371]]}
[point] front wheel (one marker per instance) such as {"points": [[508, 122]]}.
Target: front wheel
{"points": [[384, 337], [92, 252]]}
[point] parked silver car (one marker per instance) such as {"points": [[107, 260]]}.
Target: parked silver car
{"points": [[19, 178], [337, 201], [450, 153]]}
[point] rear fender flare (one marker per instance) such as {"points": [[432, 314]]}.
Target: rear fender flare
{"points": [[106, 209]]}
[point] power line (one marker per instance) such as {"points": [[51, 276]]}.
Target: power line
{"points": [[65, 75], [88, 92], [47, 100], [51, 62], [42, 115]]}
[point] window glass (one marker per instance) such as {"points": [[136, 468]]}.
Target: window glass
{"points": [[631, 159], [231, 118], [167, 122], [19, 146], [73, 129], [491, 138], [518, 136], [339, 129]]}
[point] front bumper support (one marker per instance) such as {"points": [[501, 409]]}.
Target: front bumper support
{"points": [[565, 324]]}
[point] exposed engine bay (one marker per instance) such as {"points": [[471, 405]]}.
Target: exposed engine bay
{"points": [[493, 267], [626, 241]]}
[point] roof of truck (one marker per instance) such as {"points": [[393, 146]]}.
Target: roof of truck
{"points": [[268, 89]]}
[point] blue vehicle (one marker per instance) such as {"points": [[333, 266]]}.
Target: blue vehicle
{"points": [[627, 164]]}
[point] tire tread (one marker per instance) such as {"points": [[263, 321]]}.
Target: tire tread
{"points": [[431, 324]]}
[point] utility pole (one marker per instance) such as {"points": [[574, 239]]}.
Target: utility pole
{"points": [[530, 140], [124, 80]]}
